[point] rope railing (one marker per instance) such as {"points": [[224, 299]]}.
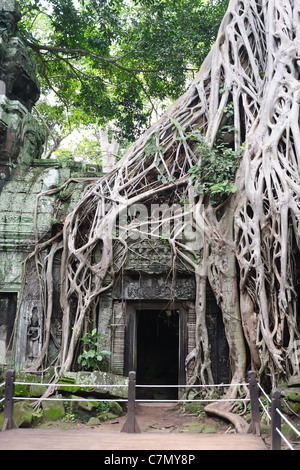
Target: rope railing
{"points": [[265, 409], [282, 435], [192, 386], [10, 397], [71, 385], [10, 383], [70, 399], [2, 385], [185, 400], [275, 418], [64, 385], [131, 425]]}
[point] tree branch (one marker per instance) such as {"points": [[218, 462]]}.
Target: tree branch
{"points": [[84, 52]]}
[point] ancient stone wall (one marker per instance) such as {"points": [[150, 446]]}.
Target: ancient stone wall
{"points": [[26, 215]]}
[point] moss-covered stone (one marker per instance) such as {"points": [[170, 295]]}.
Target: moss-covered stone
{"points": [[290, 407], [67, 384], [107, 415], [53, 410], [91, 408], [93, 422], [88, 405], [22, 391], [99, 378], [289, 433], [23, 414], [37, 390], [196, 407], [292, 393], [115, 408], [194, 427], [210, 428], [27, 391]]}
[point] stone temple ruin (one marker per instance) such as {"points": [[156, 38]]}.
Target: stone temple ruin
{"points": [[158, 328], [23, 177]]}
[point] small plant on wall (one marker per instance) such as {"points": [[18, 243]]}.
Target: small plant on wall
{"points": [[93, 355]]}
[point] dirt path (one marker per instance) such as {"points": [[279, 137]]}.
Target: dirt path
{"points": [[154, 417], [151, 417]]}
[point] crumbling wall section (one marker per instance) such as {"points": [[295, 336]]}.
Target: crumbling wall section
{"points": [[28, 213]]}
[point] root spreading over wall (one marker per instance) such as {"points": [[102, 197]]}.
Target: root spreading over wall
{"points": [[247, 93]]}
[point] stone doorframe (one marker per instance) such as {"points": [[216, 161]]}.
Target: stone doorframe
{"points": [[117, 317], [130, 340]]}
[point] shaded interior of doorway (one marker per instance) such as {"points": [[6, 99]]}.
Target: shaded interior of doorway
{"points": [[8, 308], [157, 353], [219, 349]]}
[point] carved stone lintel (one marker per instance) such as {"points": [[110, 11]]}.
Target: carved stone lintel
{"points": [[152, 288]]}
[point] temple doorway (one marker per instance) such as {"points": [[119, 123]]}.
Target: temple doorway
{"points": [[8, 308], [156, 347], [157, 352]]}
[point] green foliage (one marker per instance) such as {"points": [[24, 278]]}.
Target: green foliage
{"points": [[70, 416], [104, 406], [215, 173], [92, 356], [111, 61], [85, 147], [152, 147]]}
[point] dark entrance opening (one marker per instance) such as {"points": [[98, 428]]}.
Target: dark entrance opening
{"points": [[8, 308], [157, 353], [219, 349]]}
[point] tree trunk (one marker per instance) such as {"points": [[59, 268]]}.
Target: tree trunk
{"points": [[109, 150]]}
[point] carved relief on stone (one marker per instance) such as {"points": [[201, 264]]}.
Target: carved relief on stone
{"points": [[10, 15], [155, 256], [21, 138], [152, 288], [18, 72], [149, 256], [33, 335], [17, 66]]}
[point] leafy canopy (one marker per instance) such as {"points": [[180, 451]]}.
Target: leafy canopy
{"points": [[109, 61]]}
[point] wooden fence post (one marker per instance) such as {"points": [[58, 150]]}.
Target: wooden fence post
{"points": [[131, 425], [8, 421], [255, 418], [275, 419]]}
